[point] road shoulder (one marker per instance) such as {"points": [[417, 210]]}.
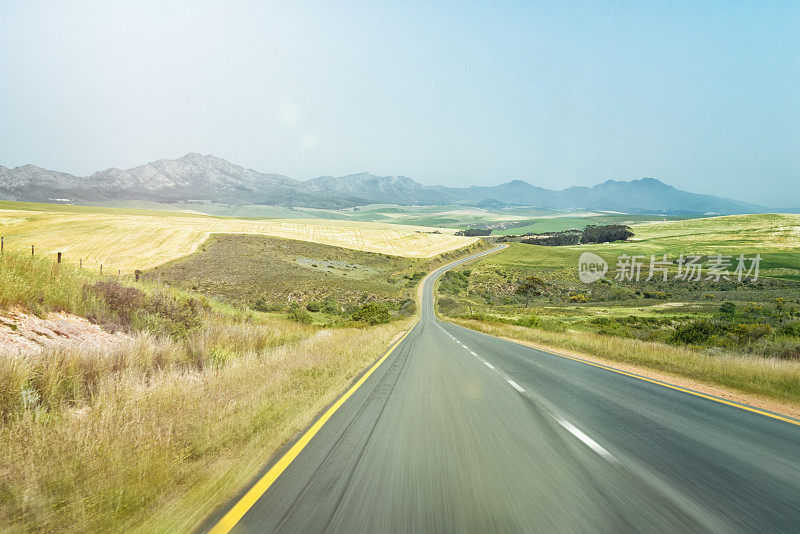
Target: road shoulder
{"points": [[777, 407]]}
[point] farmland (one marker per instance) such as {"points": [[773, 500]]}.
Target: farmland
{"points": [[503, 221], [534, 293], [126, 240]]}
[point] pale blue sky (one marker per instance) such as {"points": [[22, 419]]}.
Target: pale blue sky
{"points": [[702, 95]]}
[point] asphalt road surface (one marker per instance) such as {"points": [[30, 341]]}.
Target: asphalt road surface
{"points": [[457, 431]]}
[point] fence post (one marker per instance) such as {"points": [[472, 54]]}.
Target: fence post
{"points": [[32, 250], [101, 268], [80, 263], [1, 243], [59, 257]]}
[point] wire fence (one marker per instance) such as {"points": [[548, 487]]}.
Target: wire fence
{"points": [[60, 257]]}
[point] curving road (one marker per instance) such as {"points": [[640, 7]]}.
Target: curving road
{"points": [[457, 431]]}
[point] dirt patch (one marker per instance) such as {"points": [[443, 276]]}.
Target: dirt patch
{"points": [[24, 333]]}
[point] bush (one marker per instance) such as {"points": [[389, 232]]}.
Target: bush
{"points": [[454, 282], [656, 295], [531, 321], [172, 315], [412, 279], [695, 332], [790, 329], [122, 300], [300, 316], [313, 306], [747, 333], [727, 308], [159, 313], [261, 304], [331, 307], [372, 313], [553, 325]]}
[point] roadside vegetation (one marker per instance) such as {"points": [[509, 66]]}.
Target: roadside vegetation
{"points": [[771, 377], [160, 431], [743, 335], [306, 282]]}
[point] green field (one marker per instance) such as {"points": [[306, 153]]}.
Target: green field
{"points": [[775, 237], [562, 222], [760, 317]]}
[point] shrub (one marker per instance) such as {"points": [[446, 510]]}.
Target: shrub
{"points": [[372, 313], [412, 279], [454, 282], [299, 316], [790, 329], [122, 300], [172, 315], [531, 321], [330, 306], [695, 332], [261, 304], [727, 308], [313, 306], [747, 333], [553, 325]]}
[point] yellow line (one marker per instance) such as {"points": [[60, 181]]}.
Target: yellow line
{"points": [[233, 516], [660, 383]]}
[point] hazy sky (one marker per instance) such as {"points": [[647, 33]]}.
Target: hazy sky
{"points": [[702, 95]]}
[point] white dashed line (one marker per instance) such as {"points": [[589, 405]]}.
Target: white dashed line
{"points": [[473, 353], [490, 366], [515, 385], [592, 444]]}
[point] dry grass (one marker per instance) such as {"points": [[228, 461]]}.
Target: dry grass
{"points": [[134, 241], [158, 434], [770, 377]]}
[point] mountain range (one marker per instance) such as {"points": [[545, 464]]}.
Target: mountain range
{"points": [[206, 178]]}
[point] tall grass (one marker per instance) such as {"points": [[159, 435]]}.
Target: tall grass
{"points": [[771, 377], [40, 284], [159, 433]]}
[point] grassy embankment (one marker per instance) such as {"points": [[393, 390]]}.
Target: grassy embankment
{"points": [[157, 434], [744, 336]]}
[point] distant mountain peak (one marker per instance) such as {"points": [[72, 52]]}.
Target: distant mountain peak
{"points": [[206, 177]]}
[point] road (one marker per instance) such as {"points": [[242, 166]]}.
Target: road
{"points": [[457, 431]]}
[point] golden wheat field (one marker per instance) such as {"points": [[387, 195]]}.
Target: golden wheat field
{"points": [[128, 241]]}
